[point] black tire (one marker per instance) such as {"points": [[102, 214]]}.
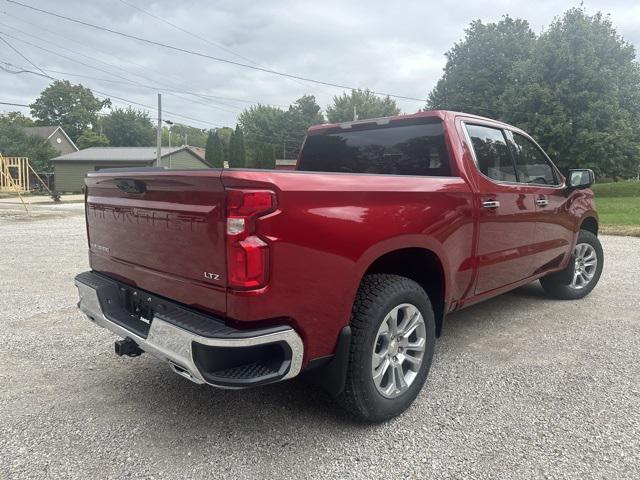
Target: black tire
{"points": [[558, 285], [378, 295]]}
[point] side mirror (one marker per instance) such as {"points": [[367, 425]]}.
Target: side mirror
{"points": [[580, 178]]}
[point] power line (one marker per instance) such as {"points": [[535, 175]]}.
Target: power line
{"points": [[107, 80], [194, 35], [14, 104], [172, 89], [199, 37], [18, 52], [210, 57], [132, 82], [129, 102]]}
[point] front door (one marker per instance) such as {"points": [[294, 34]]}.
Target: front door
{"points": [[554, 232], [506, 221]]}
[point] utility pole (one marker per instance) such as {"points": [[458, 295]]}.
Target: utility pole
{"points": [[159, 134], [284, 149], [355, 114]]}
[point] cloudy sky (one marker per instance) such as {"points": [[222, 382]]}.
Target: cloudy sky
{"points": [[395, 47]]}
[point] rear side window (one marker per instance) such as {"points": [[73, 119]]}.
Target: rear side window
{"points": [[492, 153], [531, 164], [416, 149]]}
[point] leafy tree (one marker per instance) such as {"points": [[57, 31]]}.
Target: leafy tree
{"points": [[366, 103], [128, 127], [236, 149], [17, 118], [14, 142], [303, 113], [73, 107], [214, 152], [579, 95], [268, 157], [264, 156], [184, 135], [89, 138], [480, 67], [224, 134], [261, 124], [282, 129], [575, 88]]}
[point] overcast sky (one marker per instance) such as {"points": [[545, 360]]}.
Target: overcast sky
{"points": [[394, 47]]}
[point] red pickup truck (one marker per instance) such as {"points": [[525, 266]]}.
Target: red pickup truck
{"points": [[344, 268]]}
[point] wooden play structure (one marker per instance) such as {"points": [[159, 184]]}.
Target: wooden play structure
{"points": [[14, 174]]}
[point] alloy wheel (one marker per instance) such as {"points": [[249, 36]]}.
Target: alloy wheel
{"points": [[585, 266], [399, 350]]}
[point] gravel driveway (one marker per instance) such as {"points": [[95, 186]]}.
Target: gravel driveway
{"points": [[521, 387]]}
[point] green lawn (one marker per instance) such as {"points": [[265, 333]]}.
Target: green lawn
{"points": [[618, 207], [618, 210], [617, 189]]}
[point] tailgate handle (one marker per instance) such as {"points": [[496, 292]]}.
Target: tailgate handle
{"points": [[129, 185]]}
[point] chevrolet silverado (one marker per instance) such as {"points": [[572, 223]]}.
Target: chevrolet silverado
{"points": [[343, 269]]}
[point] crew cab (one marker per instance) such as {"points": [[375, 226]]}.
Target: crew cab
{"points": [[343, 269]]}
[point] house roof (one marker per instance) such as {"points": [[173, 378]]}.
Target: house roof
{"points": [[198, 151], [47, 132], [117, 154]]}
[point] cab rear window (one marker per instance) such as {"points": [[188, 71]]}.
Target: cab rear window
{"points": [[413, 149]]}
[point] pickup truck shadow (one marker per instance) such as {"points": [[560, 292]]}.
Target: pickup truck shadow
{"points": [[290, 408]]}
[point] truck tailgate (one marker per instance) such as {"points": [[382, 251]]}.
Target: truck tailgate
{"points": [[161, 231]]}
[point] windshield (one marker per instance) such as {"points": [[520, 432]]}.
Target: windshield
{"points": [[414, 149]]}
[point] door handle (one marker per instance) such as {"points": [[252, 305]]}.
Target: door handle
{"points": [[491, 204], [542, 202]]}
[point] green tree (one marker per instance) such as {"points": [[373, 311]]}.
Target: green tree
{"points": [[184, 135], [579, 95], [73, 107], [284, 130], [262, 124], [268, 156], [214, 152], [17, 118], [128, 127], [89, 138], [236, 149], [264, 156], [303, 113], [14, 142], [366, 104], [480, 67]]}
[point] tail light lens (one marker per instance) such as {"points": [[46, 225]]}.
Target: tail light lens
{"points": [[247, 253]]}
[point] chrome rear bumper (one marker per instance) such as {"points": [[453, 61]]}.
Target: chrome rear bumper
{"points": [[200, 348]]}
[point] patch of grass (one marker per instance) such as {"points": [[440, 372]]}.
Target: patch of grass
{"points": [[618, 205], [618, 210], [617, 189]]}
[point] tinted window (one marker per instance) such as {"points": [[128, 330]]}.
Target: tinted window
{"points": [[492, 153], [531, 164], [417, 149]]}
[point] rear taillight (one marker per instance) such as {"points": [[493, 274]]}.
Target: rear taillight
{"points": [[247, 254]]}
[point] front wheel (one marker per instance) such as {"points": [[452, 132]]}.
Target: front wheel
{"points": [[583, 272], [393, 339]]}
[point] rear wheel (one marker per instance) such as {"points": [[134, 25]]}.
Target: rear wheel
{"points": [[583, 272], [393, 338]]}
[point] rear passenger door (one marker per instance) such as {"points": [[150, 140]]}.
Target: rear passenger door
{"points": [[553, 224], [506, 218]]}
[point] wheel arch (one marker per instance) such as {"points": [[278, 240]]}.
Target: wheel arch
{"points": [[421, 265], [590, 223]]}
